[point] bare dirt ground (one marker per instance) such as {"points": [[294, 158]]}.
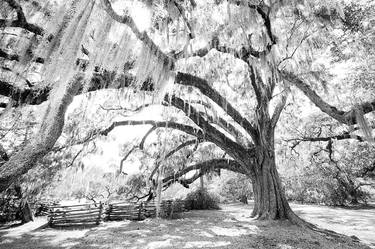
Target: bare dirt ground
{"points": [[230, 227], [358, 222]]}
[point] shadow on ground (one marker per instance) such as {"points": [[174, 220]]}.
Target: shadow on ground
{"points": [[230, 227]]}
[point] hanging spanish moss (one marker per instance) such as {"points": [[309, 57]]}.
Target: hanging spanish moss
{"points": [[152, 65], [363, 124], [55, 30], [99, 41], [63, 63]]}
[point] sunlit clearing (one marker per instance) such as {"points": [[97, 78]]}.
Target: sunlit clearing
{"points": [[223, 231], [159, 244], [59, 237], [201, 244], [118, 224]]}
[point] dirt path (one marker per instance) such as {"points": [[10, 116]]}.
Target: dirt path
{"points": [[230, 227]]}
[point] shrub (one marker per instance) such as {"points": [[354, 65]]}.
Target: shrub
{"points": [[324, 188], [201, 199], [172, 209]]}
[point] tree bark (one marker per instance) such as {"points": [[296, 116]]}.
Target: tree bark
{"points": [[201, 181], [25, 210], [158, 193], [45, 139], [269, 197]]}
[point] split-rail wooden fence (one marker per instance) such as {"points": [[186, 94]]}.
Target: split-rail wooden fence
{"points": [[84, 214], [91, 214]]}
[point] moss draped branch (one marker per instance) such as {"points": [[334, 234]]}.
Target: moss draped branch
{"points": [[172, 152], [46, 138], [196, 132], [201, 84], [142, 36], [244, 53], [345, 117], [203, 168], [343, 136]]}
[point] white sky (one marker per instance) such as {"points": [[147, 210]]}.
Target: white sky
{"points": [[120, 135]]}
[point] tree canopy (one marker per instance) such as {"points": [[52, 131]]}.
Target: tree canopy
{"points": [[226, 73]]}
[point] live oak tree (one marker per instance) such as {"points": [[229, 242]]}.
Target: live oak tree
{"points": [[268, 46]]}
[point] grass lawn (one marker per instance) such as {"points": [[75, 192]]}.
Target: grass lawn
{"points": [[229, 227]]}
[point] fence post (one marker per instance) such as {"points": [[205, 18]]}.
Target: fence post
{"points": [[100, 213], [109, 211], [50, 220], [140, 211], [171, 210]]}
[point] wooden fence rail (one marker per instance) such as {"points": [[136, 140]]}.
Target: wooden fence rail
{"points": [[86, 214], [140, 211], [75, 215]]}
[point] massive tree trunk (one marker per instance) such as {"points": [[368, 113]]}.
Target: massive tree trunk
{"points": [[47, 136], [269, 196]]}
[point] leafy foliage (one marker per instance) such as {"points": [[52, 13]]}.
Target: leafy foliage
{"points": [[235, 187], [201, 199], [339, 180]]}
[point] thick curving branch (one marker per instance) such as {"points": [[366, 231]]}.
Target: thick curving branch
{"points": [[345, 117], [139, 146], [278, 110], [142, 143], [343, 136], [199, 115], [172, 152], [142, 36], [36, 95], [165, 124], [256, 83], [202, 121], [203, 168], [183, 14], [228, 127], [21, 21], [215, 96], [125, 158], [31, 96], [244, 53], [181, 146], [213, 135], [206, 131], [48, 134], [263, 10]]}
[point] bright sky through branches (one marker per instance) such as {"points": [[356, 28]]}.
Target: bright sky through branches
{"points": [[138, 11]]}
